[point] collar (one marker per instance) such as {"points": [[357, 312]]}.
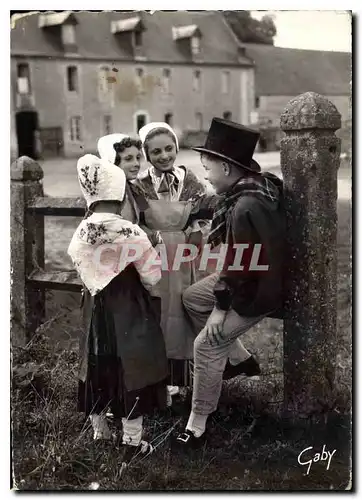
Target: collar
{"points": [[156, 179]]}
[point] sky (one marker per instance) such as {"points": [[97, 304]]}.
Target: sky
{"points": [[315, 30]]}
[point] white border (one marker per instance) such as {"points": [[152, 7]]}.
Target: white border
{"points": [[189, 5], [5, 195]]}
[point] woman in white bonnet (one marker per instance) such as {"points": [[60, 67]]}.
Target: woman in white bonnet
{"points": [[171, 191], [123, 359], [125, 152]]}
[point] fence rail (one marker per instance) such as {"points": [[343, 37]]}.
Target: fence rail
{"points": [[67, 207], [67, 281]]}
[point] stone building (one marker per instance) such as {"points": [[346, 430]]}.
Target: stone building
{"points": [[77, 76], [283, 73]]}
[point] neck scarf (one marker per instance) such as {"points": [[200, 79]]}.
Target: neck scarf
{"points": [[248, 185], [168, 183], [169, 178]]}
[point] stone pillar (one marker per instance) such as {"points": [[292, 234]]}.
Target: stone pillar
{"points": [[27, 250], [310, 157]]}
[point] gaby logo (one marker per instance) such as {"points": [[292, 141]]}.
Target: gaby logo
{"points": [[325, 456], [241, 257]]}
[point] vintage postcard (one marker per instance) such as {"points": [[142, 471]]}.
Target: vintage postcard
{"points": [[181, 221]]}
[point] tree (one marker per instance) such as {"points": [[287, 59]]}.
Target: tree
{"points": [[250, 30]]}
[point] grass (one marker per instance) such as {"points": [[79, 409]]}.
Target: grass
{"points": [[251, 447]]}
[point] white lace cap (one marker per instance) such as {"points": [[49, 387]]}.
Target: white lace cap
{"points": [[105, 146], [100, 180], [144, 131]]}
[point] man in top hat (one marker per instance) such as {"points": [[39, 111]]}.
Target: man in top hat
{"points": [[225, 305]]}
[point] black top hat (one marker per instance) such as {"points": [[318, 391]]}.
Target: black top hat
{"points": [[232, 142]]}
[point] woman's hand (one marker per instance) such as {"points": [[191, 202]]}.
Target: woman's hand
{"points": [[195, 238], [154, 236], [214, 325]]}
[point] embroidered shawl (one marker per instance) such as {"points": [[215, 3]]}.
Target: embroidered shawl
{"points": [[103, 245]]}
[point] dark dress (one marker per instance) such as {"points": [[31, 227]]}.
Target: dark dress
{"points": [[123, 354], [171, 219]]}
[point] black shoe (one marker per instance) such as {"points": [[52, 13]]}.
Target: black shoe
{"points": [[188, 441], [250, 367]]}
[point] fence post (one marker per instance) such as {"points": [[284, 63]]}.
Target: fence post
{"points": [[27, 250], [310, 157]]}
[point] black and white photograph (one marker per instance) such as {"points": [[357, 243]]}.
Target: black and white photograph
{"points": [[181, 250]]}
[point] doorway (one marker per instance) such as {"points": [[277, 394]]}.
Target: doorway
{"points": [[51, 140], [26, 123]]}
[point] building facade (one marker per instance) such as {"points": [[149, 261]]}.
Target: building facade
{"points": [[283, 73], [78, 76]]}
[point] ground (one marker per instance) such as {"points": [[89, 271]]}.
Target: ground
{"points": [[251, 447]]}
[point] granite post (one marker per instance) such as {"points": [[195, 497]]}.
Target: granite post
{"points": [[27, 250], [310, 157]]}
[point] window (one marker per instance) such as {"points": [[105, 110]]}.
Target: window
{"points": [[138, 39], [199, 124], [105, 80], [254, 117], [72, 78], [75, 128], [169, 118], [257, 102], [23, 78], [227, 115], [68, 34], [225, 82], [166, 80], [197, 81], [139, 79], [107, 124], [195, 45]]}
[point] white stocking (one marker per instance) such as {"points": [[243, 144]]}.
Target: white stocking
{"points": [[132, 431]]}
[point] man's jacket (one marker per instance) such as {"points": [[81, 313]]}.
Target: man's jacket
{"points": [[254, 219]]}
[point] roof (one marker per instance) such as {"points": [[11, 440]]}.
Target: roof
{"points": [[284, 71], [125, 25], [55, 19], [96, 41]]}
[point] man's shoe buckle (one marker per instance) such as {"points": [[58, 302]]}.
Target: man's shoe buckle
{"points": [[183, 437]]}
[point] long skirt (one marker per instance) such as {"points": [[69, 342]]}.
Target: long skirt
{"points": [[125, 365]]}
